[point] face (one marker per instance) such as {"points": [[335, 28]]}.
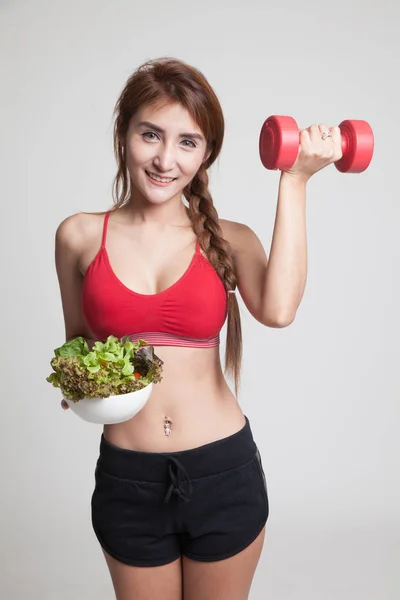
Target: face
{"points": [[163, 142]]}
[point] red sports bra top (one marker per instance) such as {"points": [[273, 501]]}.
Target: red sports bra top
{"points": [[191, 312]]}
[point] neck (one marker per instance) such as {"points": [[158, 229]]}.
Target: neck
{"points": [[157, 217]]}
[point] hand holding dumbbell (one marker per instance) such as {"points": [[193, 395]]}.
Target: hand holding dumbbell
{"points": [[280, 139]]}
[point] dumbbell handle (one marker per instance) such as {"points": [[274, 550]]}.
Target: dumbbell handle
{"points": [[346, 135]]}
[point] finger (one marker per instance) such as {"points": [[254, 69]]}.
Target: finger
{"points": [[337, 143], [325, 132], [336, 135], [305, 139], [315, 133]]}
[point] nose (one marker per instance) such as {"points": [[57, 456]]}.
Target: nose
{"points": [[165, 159]]}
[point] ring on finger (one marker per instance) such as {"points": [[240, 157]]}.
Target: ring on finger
{"points": [[326, 134]]}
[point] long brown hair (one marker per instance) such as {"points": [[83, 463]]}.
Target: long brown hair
{"points": [[173, 80]]}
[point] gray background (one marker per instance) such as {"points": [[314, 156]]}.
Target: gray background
{"points": [[321, 394]]}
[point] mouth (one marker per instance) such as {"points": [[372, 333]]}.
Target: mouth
{"points": [[160, 181]]}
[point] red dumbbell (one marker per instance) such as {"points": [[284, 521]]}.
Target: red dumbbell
{"points": [[280, 138]]}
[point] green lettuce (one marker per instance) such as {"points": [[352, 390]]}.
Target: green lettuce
{"points": [[116, 366]]}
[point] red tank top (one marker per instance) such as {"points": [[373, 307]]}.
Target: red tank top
{"points": [[191, 312]]}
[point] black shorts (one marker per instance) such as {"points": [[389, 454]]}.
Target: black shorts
{"points": [[207, 503]]}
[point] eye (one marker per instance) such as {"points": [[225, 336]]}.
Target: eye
{"points": [[192, 142], [148, 133]]}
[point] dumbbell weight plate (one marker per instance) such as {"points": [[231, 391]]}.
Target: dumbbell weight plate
{"points": [[357, 146], [279, 142]]}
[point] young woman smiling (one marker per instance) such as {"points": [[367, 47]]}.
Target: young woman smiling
{"points": [[180, 500]]}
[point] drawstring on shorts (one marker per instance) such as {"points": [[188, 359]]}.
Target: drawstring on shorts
{"points": [[177, 475]]}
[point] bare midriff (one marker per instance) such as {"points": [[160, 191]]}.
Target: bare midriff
{"points": [[193, 395]]}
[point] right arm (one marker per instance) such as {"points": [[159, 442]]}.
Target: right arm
{"points": [[68, 248]]}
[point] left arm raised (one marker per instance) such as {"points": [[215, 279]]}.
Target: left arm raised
{"points": [[272, 288]]}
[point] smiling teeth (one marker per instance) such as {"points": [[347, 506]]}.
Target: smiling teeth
{"points": [[161, 179]]}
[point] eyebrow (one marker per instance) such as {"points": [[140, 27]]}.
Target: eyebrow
{"points": [[196, 136]]}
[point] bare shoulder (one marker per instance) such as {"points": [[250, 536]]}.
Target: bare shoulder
{"points": [[233, 227], [237, 234], [75, 230]]}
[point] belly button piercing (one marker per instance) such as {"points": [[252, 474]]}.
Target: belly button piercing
{"points": [[167, 426]]}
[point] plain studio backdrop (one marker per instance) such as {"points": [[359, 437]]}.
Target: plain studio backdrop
{"points": [[321, 394]]}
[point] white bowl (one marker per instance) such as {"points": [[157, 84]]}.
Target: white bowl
{"points": [[114, 409]]}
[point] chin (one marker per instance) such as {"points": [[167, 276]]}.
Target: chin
{"points": [[158, 201], [154, 197]]}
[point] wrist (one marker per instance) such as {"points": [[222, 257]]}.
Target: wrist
{"points": [[293, 180]]}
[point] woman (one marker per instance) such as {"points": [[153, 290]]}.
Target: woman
{"points": [[180, 502]]}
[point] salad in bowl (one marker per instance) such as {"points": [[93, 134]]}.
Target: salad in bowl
{"points": [[109, 383]]}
